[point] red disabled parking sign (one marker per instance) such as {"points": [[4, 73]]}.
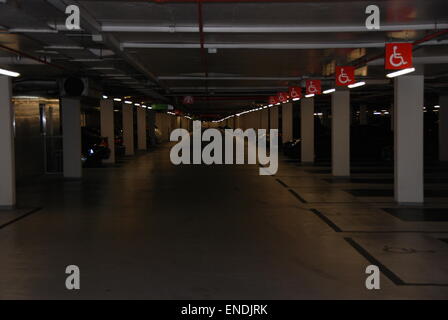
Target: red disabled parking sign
{"points": [[345, 76], [313, 87], [188, 100], [398, 56], [295, 92]]}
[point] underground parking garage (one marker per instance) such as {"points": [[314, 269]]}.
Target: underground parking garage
{"points": [[223, 150]]}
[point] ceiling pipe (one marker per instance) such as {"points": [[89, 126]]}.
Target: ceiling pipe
{"points": [[23, 54], [266, 46], [229, 98], [230, 78], [416, 60], [269, 29], [426, 40]]}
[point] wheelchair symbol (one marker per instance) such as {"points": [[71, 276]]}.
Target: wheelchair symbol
{"points": [[294, 93], [343, 77], [311, 88], [397, 56]]}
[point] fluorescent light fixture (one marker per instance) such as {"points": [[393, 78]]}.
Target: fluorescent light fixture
{"points": [[271, 105], [26, 97], [400, 72], [137, 104], [309, 95], [357, 84], [329, 91], [143, 106], [31, 30], [277, 104], [105, 97], [128, 102], [436, 107], [117, 99], [101, 68], [296, 99], [64, 47], [9, 73]]}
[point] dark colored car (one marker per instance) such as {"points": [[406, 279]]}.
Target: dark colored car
{"points": [[292, 149], [94, 148], [120, 149]]}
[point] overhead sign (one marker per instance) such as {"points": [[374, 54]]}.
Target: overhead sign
{"points": [[398, 56], [161, 106], [295, 92], [313, 87], [273, 100], [282, 96], [345, 76], [188, 100]]}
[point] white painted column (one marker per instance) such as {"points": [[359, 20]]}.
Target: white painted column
{"points": [[274, 117], [107, 126], [128, 128], [71, 141], [408, 134], [287, 122], [141, 128], [340, 137], [443, 128], [307, 129], [363, 115], [7, 158]]}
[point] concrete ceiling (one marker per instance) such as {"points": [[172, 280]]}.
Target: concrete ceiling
{"points": [[152, 49]]}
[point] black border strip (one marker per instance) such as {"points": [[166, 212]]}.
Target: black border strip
{"points": [[324, 218], [295, 194], [386, 271], [282, 183], [20, 217]]}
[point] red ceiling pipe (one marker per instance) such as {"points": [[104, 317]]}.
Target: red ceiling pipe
{"points": [[202, 38]]}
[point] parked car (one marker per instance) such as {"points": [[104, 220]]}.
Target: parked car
{"points": [[292, 149], [120, 149], [94, 148]]}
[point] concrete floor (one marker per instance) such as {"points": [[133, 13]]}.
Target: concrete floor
{"points": [[146, 229]]}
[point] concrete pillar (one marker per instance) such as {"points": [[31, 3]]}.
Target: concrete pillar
{"points": [[307, 129], [141, 128], [152, 126], [71, 133], [265, 119], [107, 126], [287, 122], [363, 113], [443, 128], [340, 137], [408, 134], [274, 117], [392, 119], [7, 160], [128, 128]]}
